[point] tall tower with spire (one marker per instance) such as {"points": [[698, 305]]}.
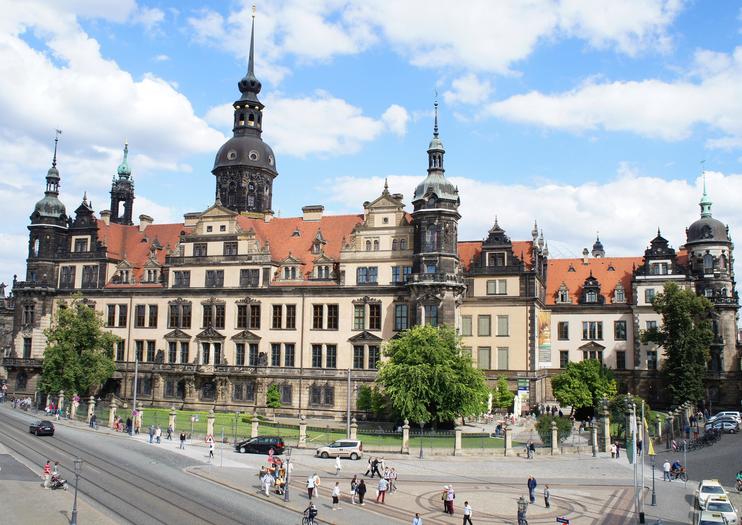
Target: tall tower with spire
{"points": [[122, 192], [245, 166], [436, 284]]}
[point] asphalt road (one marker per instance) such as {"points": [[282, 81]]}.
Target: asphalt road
{"points": [[134, 483]]}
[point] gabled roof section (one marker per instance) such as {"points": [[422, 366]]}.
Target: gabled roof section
{"points": [[469, 250], [210, 333], [245, 335], [365, 336], [559, 272], [178, 335]]}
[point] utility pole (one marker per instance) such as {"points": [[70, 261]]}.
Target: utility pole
{"points": [[347, 418], [134, 402]]}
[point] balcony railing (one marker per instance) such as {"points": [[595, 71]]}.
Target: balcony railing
{"points": [[176, 260], [495, 270], [435, 277], [19, 362]]}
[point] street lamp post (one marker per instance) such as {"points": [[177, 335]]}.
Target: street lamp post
{"points": [[522, 509], [134, 401], [78, 468], [236, 418], [654, 494], [286, 481], [421, 439]]}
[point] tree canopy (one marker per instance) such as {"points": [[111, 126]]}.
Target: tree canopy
{"points": [[273, 397], [428, 379], [584, 384], [685, 336], [79, 352], [502, 396]]}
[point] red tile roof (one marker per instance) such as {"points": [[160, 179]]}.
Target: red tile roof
{"points": [[558, 272], [469, 250]]}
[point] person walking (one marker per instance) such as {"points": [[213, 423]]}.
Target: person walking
{"points": [[450, 496], [613, 451], [666, 470], [267, 481], [47, 473], [151, 433], [336, 496], [211, 450], [369, 468], [361, 490], [169, 436], [547, 497], [353, 487], [382, 488], [417, 520], [375, 464], [618, 450], [311, 486], [158, 434], [467, 513], [532, 489], [182, 440], [338, 466], [393, 480]]}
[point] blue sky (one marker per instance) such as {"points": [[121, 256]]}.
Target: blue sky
{"points": [[584, 115]]}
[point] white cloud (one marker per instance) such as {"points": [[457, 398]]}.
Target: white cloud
{"points": [[321, 125], [149, 17], [396, 118], [651, 108], [468, 90], [161, 58]]}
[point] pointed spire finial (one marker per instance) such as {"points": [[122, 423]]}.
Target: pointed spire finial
{"points": [[251, 60], [386, 184], [57, 133], [85, 198], [705, 203], [435, 108]]}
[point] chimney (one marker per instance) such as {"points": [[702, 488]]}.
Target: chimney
{"points": [[144, 221], [313, 212], [105, 216], [585, 254]]}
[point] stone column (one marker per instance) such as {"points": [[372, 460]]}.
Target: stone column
{"points": [[353, 429], [508, 440], [554, 438], [140, 413], [75, 404], [254, 431], [406, 437], [112, 413], [210, 423], [302, 431], [60, 404], [457, 442], [171, 418], [594, 431], [606, 431], [658, 430], [91, 407]]}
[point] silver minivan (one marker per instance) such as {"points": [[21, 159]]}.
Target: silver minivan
{"points": [[343, 448]]}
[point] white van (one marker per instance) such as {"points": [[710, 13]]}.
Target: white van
{"points": [[729, 413]]}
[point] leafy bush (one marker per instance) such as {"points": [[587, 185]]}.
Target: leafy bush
{"points": [[502, 397], [273, 397], [543, 427]]}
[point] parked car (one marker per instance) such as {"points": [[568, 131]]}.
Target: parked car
{"points": [[710, 518], [726, 414], [727, 425], [261, 445], [344, 448], [707, 489], [42, 428], [722, 505]]}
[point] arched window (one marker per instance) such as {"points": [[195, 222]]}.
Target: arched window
{"points": [[431, 238], [376, 245], [293, 272], [708, 263], [251, 120], [368, 246], [395, 245], [35, 247], [242, 119], [403, 244]]}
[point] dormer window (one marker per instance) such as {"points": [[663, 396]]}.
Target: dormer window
{"points": [[571, 268], [591, 296], [123, 276], [563, 295], [323, 272], [659, 269], [316, 248], [296, 233], [619, 295], [81, 245], [497, 259], [289, 272]]}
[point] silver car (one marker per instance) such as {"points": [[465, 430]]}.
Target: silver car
{"points": [[343, 448]]}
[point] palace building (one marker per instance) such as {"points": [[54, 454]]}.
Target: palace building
{"points": [[234, 299]]}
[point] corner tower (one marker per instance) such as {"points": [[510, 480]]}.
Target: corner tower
{"points": [[245, 165], [436, 283], [122, 192]]}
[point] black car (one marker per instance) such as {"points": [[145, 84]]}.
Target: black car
{"points": [[42, 428], [261, 445]]}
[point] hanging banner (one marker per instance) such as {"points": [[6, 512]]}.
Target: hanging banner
{"points": [[630, 442], [544, 339], [650, 447]]}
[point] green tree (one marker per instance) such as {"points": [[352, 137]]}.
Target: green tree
{"points": [[428, 379], [273, 397], [685, 337], [617, 409], [364, 398], [502, 397], [543, 427], [79, 353], [584, 384]]}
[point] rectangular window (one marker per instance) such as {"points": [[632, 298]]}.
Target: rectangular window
{"points": [[184, 351], [214, 278], [151, 351], [401, 317], [361, 275], [331, 356], [29, 314], [620, 360], [123, 315], [483, 357], [484, 327], [120, 350], [26, 348], [172, 352], [286, 394], [239, 354], [502, 358], [374, 354], [315, 395], [237, 392], [170, 388], [277, 322], [651, 325], [374, 317], [290, 316], [497, 287], [648, 295], [111, 315], [249, 278], [563, 331], [242, 316], [219, 316], [182, 279], [503, 325], [252, 358], [317, 316], [200, 249], [563, 358], [139, 350], [373, 274], [652, 360], [139, 315], [358, 356], [275, 354], [316, 356], [333, 316], [466, 325], [81, 245], [205, 353], [592, 330], [396, 274], [359, 317], [619, 330], [89, 276], [288, 354], [67, 277], [208, 316], [431, 314], [152, 316], [230, 248]]}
